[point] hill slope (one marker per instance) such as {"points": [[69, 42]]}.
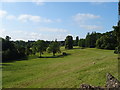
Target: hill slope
{"points": [[81, 66]]}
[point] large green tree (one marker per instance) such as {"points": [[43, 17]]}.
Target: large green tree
{"points": [[107, 41], [82, 42], [41, 46], [11, 50], [69, 42], [54, 47]]}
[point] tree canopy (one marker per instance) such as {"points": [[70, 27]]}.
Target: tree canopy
{"points": [[54, 47], [69, 42]]}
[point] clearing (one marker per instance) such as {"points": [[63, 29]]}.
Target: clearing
{"points": [[88, 66]]}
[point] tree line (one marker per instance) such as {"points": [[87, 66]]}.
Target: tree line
{"points": [[106, 40], [21, 49], [14, 50]]}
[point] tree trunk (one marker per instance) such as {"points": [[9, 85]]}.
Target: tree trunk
{"points": [[53, 54]]}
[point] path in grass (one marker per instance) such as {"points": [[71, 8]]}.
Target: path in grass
{"points": [[82, 66]]}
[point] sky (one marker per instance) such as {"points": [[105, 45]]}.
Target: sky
{"points": [[56, 20]]}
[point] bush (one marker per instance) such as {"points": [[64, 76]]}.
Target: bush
{"points": [[64, 53]]}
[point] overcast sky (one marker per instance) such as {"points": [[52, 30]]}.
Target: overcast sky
{"points": [[50, 20]]}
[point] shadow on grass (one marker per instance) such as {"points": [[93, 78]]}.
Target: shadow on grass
{"points": [[57, 56], [5, 64], [13, 60]]}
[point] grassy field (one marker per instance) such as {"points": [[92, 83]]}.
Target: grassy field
{"points": [[88, 66]]}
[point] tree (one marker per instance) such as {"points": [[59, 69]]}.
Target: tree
{"points": [[54, 47], [28, 50], [34, 49], [11, 50], [117, 32], [107, 41], [87, 40], [77, 40], [7, 38], [91, 39], [69, 42], [82, 42], [41, 46]]}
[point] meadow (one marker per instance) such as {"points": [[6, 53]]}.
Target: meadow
{"points": [[88, 65]]}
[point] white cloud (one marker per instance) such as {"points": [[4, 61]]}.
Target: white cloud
{"points": [[91, 27], [33, 35], [27, 17], [85, 20], [81, 17], [53, 30], [2, 13], [25, 35]]}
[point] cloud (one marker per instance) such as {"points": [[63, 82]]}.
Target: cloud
{"points": [[53, 30], [91, 27], [3, 13], [81, 17], [85, 20], [25, 35], [27, 18], [33, 35]]}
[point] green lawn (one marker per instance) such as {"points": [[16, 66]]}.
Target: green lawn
{"points": [[62, 72]]}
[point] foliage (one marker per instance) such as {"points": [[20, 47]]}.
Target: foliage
{"points": [[10, 51], [40, 46], [13, 50], [82, 43], [91, 39], [69, 42], [54, 47], [117, 32], [107, 41], [75, 42]]}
